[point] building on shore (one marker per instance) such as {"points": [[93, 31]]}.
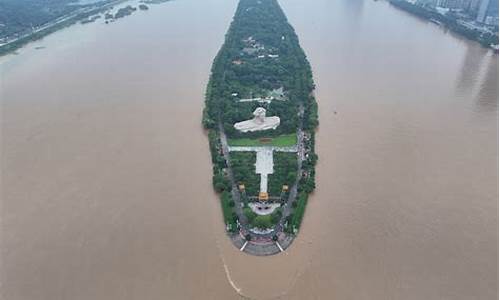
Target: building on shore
{"points": [[488, 12]]}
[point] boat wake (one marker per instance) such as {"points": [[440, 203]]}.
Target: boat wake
{"points": [[280, 295], [228, 274]]}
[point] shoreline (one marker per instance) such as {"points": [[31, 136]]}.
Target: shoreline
{"points": [[11, 46], [486, 38]]}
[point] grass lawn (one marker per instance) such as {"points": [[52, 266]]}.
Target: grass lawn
{"points": [[285, 140]]}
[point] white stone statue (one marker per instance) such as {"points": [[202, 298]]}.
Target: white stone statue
{"points": [[259, 122]]}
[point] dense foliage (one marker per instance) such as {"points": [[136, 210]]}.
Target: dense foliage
{"points": [[285, 172], [295, 219], [265, 23], [261, 54], [230, 217], [17, 16], [243, 166]]}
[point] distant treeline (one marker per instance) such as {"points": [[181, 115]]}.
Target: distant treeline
{"points": [[42, 17], [18, 16]]}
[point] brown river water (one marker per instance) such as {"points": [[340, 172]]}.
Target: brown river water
{"points": [[106, 176]]}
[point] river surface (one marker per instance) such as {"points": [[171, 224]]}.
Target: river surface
{"points": [[106, 176]]}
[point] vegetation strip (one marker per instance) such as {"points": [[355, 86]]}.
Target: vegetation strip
{"points": [[285, 140]]}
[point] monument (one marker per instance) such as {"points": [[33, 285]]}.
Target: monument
{"points": [[259, 122]]}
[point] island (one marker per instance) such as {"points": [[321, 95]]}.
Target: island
{"points": [[261, 116], [124, 11]]}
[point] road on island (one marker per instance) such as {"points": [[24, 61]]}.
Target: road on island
{"points": [[287, 207]]}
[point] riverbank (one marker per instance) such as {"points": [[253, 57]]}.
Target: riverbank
{"points": [[469, 30], [56, 25], [85, 15]]}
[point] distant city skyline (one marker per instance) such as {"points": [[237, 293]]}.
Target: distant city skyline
{"points": [[483, 11]]}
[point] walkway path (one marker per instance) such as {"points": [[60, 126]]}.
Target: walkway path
{"points": [[234, 189], [264, 164], [262, 245]]}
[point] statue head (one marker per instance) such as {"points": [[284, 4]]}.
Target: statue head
{"points": [[260, 115]]}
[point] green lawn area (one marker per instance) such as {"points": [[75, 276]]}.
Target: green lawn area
{"points": [[285, 140]]}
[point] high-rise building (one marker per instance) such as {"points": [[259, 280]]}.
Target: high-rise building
{"points": [[430, 3], [473, 6], [483, 8], [492, 10], [466, 5], [487, 8]]}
